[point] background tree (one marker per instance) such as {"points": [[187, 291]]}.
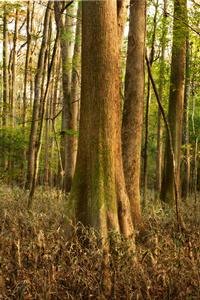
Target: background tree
{"points": [[186, 138], [148, 99], [65, 28], [176, 99], [133, 106], [159, 158], [37, 97], [5, 73]]}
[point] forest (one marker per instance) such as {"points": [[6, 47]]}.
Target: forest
{"points": [[100, 149]]}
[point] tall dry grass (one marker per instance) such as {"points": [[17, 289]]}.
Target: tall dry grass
{"points": [[38, 262]]}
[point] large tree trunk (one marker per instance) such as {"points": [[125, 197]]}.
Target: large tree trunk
{"points": [[98, 196], [175, 108], [133, 106]]}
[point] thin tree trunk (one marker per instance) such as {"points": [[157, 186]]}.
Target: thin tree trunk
{"points": [[133, 106], [27, 61], [40, 133], [151, 59], [65, 29], [5, 66], [36, 105], [26, 74], [55, 114], [122, 8], [159, 158], [48, 113], [180, 222], [75, 94], [198, 175], [54, 100], [195, 170], [13, 69], [186, 139], [31, 60], [70, 115], [47, 148], [5, 76]]}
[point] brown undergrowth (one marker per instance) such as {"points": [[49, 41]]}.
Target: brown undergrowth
{"points": [[38, 262]]}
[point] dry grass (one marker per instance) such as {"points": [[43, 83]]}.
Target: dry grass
{"points": [[37, 261]]}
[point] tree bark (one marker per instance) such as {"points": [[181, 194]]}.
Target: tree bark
{"points": [[13, 69], [75, 96], [151, 59], [5, 67], [180, 222], [159, 158], [27, 61], [133, 106], [65, 28], [175, 108], [56, 90], [122, 8], [186, 138], [37, 97], [98, 197], [41, 125], [5, 78]]}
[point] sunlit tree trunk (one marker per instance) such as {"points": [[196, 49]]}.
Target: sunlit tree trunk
{"points": [[65, 27], [186, 139], [13, 69], [122, 7], [176, 100], [47, 124], [13, 88], [32, 28], [159, 158], [5, 79], [196, 168], [98, 197], [27, 61], [5, 67], [75, 95], [43, 102], [148, 100], [133, 106], [37, 97]]}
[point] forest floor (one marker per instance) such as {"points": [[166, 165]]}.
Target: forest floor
{"points": [[38, 262]]}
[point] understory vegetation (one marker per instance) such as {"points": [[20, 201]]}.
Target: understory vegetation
{"points": [[37, 261]]}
